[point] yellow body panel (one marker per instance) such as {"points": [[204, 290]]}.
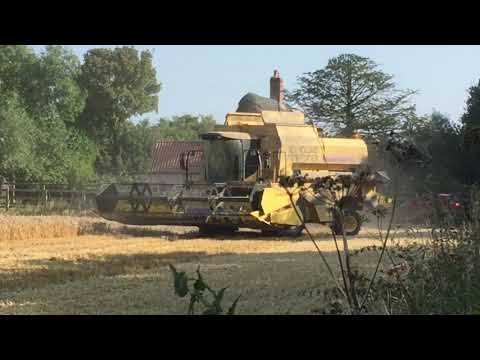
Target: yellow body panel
{"points": [[233, 119], [265, 117], [276, 198], [277, 207], [286, 217], [283, 117], [302, 149], [296, 146]]}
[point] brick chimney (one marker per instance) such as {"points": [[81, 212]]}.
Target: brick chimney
{"points": [[276, 87]]}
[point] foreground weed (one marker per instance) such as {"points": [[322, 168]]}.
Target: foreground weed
{"points": [[201, 294]]}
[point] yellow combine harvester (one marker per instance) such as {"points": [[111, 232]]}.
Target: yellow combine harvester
{"points": [[269, 171]]}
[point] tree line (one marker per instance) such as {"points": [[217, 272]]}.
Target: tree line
{"points": [[64, 120], [67, 121]]}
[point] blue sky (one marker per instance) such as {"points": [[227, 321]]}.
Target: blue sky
{"points": [[210, 80]]}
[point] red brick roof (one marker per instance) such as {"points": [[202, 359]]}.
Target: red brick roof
{"points": [[166, 156]]}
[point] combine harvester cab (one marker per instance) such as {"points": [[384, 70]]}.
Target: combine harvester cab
{"points": [[267, 171]]}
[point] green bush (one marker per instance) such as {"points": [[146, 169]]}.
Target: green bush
{"points": [[437, 275]]}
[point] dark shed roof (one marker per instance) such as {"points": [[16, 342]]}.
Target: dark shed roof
{"points": [[166, 156]]}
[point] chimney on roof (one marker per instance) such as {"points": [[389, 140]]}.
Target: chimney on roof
{"points": [[276, 87]]}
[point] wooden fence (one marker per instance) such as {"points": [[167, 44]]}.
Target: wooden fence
{"points": [[44, 196]]}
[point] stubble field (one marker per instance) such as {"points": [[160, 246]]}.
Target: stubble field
{"points": [[63, 265]]}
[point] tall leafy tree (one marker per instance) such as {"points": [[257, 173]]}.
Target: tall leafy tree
{"points": [[121, 83], [442, 139], [471, 118], [16, 62], [64, 155], [137, 143], [17, 136], [55, 99], [185, 127], [54, 90], [352, 94], [40, 102]]}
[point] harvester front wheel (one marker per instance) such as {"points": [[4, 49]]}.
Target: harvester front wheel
{"points": [[212, 230], [270, 232], [294, 231], [352, 223]]}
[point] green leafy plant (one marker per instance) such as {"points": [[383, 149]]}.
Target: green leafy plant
{"points": [[201, 294], [434, 274]]}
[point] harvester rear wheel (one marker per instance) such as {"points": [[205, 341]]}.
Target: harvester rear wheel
{"points": [[352, 223], [297, 230]]}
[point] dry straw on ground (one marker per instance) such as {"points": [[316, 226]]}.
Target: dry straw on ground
{"points": [[39, 227], [45, 227], [125, 270]]}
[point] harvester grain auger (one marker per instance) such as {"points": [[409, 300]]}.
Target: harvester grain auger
{"points": [[258, 166]]}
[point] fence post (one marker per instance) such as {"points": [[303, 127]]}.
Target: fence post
{"points": [[7, 197], [71, 206], [45, 196], [84, 198], [14, 200]]}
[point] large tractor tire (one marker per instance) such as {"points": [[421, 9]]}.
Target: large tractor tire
{"points": [[295, 231], [352, 223]]}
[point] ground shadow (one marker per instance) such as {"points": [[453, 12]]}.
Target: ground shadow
{"points": [[56, 270], [263, 278], [171, 233], [320, 233]]}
